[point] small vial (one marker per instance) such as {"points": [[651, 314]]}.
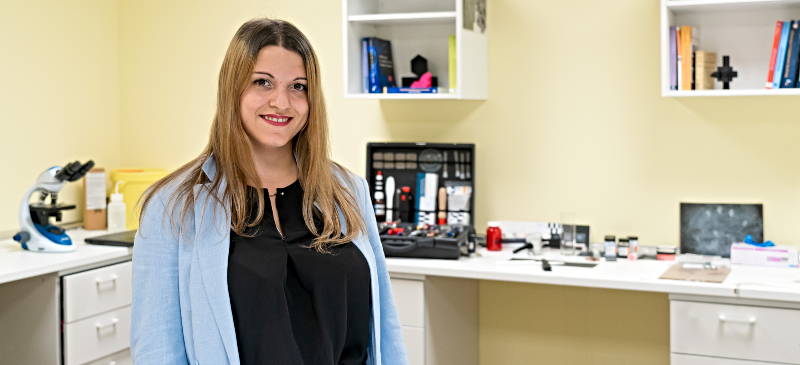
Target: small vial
{"points": [[623, 248], [634, 247], [610, 248]]}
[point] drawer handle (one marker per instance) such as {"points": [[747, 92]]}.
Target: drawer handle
{"points": [[112, 279], [112, 363], [113, 322], [748, 320]]}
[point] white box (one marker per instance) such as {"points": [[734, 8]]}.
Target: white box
{"points": [[776, 256]]}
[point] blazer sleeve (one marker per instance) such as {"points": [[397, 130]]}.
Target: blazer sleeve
{"points": [[156, 328], [393, 349]]}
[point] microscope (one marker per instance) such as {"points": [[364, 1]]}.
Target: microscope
{"points": [[36, 233]]}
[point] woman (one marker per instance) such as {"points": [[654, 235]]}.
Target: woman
{"points": [[262, 250]]}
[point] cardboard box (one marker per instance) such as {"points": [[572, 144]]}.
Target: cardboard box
{"points": [[94, 185], [776, 256]]}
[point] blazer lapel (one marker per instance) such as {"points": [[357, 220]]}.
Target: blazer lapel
{"points": [[212, 242]]}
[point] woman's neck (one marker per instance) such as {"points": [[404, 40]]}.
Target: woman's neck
{"points": [[276, 166]]}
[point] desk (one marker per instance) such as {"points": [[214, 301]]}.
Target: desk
{"points": [[30, 295], [745, 287]]}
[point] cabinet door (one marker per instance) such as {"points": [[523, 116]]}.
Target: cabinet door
{"points": [[414, 338], [735, 331], [409, 296], [120, 358], [96, 291], [681, 359], [95, 337]]}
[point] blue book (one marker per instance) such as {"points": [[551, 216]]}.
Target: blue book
{"points": [[372, 77], [780, 60], [790, 74], [410, 90]]}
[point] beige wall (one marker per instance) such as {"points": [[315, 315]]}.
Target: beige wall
{"points": [[574, 121], [59, 94]]}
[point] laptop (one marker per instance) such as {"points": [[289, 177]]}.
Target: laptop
{"points": [[124, 238]]}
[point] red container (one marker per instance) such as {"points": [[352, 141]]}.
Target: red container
{"points": [[494, 238]]}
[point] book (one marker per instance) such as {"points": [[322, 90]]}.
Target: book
{"points": [[364, 65], [775, 44], [381, 65], [705, 65], [410, 90], [679, 59], [790, 71], [451, 63], [781, 57], [673, 58], [689, 41], [372, 73]]}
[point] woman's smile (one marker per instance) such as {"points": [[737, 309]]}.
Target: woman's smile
{"points": [[278, 120]]}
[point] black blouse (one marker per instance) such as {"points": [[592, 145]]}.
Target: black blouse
{"points": [[292, 304]]}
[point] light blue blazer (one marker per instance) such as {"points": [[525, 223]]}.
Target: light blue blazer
{"points": [[181, 311]]}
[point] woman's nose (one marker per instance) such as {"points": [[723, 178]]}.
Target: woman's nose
{"points": [[280, 99]]}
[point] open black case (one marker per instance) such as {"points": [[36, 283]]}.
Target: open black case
{"points": [[433, 187]]}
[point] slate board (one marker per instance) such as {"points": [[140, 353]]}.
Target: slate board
{"points": [[710, 229]]}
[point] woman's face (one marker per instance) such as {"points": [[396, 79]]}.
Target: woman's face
{"points": [[275, 103]]}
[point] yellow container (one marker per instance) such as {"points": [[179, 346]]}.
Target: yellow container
{"points": [[134, 183]]}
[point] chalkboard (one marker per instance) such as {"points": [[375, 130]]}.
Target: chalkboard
{"points": [[710, 229]]}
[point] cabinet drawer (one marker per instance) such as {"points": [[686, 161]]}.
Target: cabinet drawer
{"points": [[409, 296], [97, 291], [735, 331], [681, 359], [120, 358], [414, 337], [98, 336]]}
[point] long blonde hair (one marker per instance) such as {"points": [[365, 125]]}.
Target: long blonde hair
{"points": [[324, 182]]}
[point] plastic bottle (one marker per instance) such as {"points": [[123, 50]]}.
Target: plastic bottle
{"points": [[494, 237], [116, 211]]}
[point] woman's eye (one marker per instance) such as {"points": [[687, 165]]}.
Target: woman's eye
{"points": [[299, 87], [262, 82]]}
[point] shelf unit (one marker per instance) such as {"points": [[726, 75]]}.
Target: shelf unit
{"points": [[417, 27], [741, 29]]}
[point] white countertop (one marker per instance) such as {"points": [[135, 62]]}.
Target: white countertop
{"points": [[643, 275], [16, 263]]}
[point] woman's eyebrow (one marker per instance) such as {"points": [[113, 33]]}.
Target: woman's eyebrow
{"points": [[264, 73]]}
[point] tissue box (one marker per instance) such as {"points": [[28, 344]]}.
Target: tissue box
{"points": [[776, 256]]}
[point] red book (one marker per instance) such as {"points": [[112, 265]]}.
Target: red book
{"points": [[775, 43]]}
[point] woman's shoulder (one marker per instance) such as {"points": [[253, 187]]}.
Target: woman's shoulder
{"points": [[349, 179]]}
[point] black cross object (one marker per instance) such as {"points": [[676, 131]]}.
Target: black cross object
{"points": [[725, 73]]}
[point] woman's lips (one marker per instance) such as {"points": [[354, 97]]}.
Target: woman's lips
{"points": [[276, 120]]}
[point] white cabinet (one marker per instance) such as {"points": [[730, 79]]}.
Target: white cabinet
{"points": [[96, 291], [97, 315], [734, 330], [681, 359], [439, 318], [419, 27], [742, 29]]}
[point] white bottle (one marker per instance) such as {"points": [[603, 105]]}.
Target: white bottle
{"points": [[116, 211]]}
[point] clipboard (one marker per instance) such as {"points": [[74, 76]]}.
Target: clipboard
{"points": [[678, 272]]}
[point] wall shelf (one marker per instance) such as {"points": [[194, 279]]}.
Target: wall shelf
{"points": [[441, 17], [742, 29], [417, 27]]}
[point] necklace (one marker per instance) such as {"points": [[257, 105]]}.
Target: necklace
{"points": [[272, 194]]}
